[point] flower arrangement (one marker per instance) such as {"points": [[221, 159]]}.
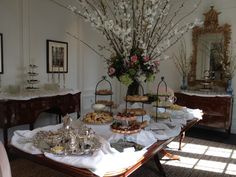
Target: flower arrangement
{"points": [[181, 60], [136, 67], [138, 32], [225, 60]]}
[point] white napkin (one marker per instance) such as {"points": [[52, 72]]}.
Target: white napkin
{"points": [[194, 113], [163, 130]]}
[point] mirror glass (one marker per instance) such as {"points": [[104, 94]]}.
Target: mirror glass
{"points": [[209, 56]]}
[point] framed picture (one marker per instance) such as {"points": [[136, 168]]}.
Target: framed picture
{"points": [[57, 57], [1, 54]]}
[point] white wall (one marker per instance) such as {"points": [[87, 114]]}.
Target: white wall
{"points": [[10, 20], [27, 24]]}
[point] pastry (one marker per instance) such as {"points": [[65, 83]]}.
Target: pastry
{"points": [[57, 149], [136, 98], [104, 92], [136, 111], [125, 116], [97, 118], [132, 127]]}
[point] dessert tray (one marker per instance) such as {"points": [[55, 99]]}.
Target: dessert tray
{"points": [[126, 123], [130, 128], [105, 102], [125, 116], [98, 118], [32, 74], [33, 81], [67, 141], [136, 98], [104, 92], [136, 111]]}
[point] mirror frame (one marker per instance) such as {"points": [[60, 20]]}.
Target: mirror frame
{"points": [[211, 25]]}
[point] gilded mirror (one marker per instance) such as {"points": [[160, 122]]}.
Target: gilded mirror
{"points": [[210, 49]]}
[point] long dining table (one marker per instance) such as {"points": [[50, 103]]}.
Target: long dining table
{"points": [[153, 151]]}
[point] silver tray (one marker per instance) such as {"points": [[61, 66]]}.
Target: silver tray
{"points": [[66, 142]]}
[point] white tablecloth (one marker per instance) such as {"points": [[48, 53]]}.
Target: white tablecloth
{"points": [[108, 159]]}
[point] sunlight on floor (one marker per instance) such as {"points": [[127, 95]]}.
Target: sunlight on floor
{"points": [[219, 152], [194, 148], [202, 164], [184, 162], [231, 169], [234, 155], [209, 165]]}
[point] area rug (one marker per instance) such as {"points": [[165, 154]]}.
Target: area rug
{"points": [[198, 158]]}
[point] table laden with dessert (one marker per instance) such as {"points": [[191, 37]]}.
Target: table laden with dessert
{"points": [[102, 144]]}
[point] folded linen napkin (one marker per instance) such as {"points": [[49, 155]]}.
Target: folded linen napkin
{"points": [[163, 130], [194, 113]]}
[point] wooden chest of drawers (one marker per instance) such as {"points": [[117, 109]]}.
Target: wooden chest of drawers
{"points": [[217, 109]]}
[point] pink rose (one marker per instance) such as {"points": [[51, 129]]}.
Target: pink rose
{"points": [[111, 71], [134, 59], [146, 59], [157, 62]]}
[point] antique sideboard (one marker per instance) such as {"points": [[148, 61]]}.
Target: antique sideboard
{"points": [[217, 109], [18, 111]]}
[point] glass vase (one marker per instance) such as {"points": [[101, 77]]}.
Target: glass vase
{"points": [[184, 84], [229, 88], [133, 89]]}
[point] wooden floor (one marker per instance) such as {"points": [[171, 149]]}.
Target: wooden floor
{"points": [[212, 135]]}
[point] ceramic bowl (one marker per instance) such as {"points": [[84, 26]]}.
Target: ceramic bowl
{"points": [[98, 107]]}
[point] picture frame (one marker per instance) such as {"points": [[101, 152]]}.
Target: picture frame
{"points": [[1, 53], [57, 56]]}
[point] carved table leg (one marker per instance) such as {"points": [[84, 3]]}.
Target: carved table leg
{"points": [[158, 164], [78, 115], [31, 126], [182, 136], [169, 155], [60, 117]]}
